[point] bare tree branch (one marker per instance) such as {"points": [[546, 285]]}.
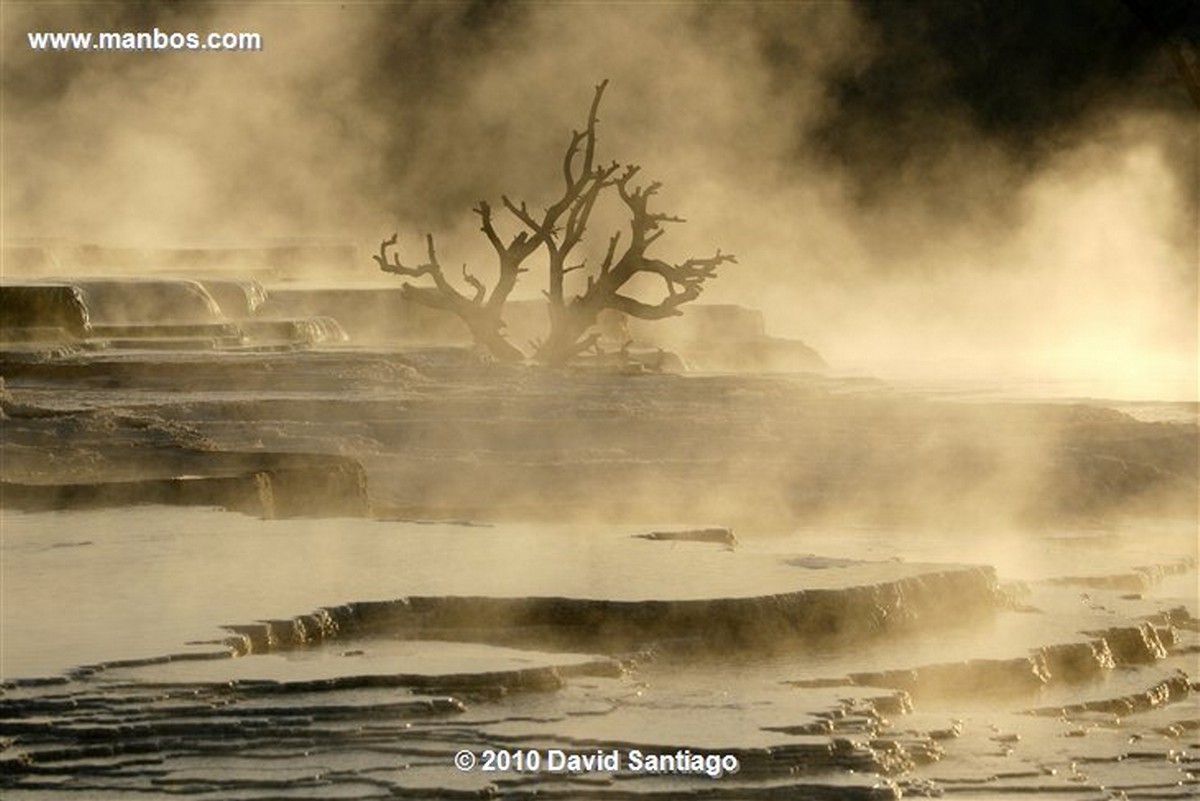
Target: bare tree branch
{"points": [[606, 265], [484, 210], [432, 267], [521, 213], [480, 289]]}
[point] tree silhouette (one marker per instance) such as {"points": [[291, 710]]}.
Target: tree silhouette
{"points": [[560, 230]]}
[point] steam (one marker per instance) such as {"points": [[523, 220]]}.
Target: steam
{"points": [[911, 188]]}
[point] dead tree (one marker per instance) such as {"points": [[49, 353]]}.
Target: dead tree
{"points": [[483, 313], [571, 321]]}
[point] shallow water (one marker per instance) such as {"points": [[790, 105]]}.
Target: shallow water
{"points": [[86, 587], [373, 714]]}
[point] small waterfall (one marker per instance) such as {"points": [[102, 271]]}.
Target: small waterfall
{"points": [[163, 314], [320, 330], [122, 302], [237, 300]]}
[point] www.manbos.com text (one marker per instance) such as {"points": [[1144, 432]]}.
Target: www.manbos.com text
{"points": [[144, 40]]}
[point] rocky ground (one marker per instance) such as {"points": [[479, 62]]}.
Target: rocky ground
{"points": [[439, 435]]}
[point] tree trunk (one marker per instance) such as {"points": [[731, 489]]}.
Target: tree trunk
{"points": [[487, 331]]}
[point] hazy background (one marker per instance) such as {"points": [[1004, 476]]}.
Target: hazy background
{"points": [[945, 189]]}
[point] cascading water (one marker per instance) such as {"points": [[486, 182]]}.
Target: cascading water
{"points": [[162, 314]]}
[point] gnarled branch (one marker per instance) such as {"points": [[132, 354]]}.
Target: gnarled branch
{"points": [[605, 289], [431, 268]]}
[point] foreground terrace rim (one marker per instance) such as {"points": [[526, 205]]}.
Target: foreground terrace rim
{"points": [[599, 584]]}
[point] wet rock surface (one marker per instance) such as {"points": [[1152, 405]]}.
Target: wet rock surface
{"points": [[261, 484], [333, 640], [718, 536], [441, 436]]}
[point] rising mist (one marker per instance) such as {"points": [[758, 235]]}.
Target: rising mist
{"points": [[935, 189]]}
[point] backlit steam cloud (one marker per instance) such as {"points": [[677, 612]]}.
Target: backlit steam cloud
{"points": [[935, 187]]}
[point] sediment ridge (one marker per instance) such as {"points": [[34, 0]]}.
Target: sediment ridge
{"points": [[760, 622]]}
